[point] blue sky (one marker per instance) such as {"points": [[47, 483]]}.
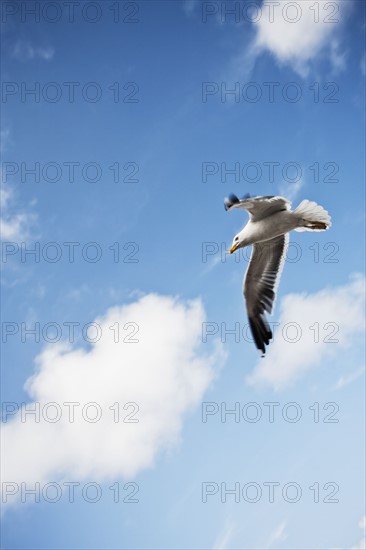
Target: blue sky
{"points": [[175, 136]]}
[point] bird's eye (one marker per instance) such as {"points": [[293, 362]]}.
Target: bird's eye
{"points": [[236, 238]]}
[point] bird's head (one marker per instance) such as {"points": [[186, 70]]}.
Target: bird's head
{"points": [[237, 243]]}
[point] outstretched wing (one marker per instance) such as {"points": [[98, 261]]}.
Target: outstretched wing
{"points": [[258, 207], [260, 284]]}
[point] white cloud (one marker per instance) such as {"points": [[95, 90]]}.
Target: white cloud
{"points": [[362, 544], [295, 37], [165, 374], [24, 51], [277, 536], [286, 361], [14, 226]]}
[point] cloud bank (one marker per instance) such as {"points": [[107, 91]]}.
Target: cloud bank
{"points": [[164, 374], [338, 320]]}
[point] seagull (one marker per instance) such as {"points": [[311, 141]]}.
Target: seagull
{"points": [[270, 220]]}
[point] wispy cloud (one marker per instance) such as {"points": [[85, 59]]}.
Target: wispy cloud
{"points": [[189, 7], [15, 223], [24, 51], [291, 190], [211, 264], [277, 536], [347, 379], [339, 309], [224, 538]]}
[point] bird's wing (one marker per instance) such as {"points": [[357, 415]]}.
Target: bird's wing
{"points": [[258, 207], [260, 285]]}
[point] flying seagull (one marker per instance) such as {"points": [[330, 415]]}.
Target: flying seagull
{"points": [[270, 220]]}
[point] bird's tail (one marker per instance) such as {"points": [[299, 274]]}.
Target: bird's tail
{"points": [[312, 217]]}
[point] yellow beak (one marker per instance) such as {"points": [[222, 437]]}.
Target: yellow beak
{"points": [[233, 248]]}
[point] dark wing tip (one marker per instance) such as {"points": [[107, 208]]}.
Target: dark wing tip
{"points": [[230, 201], [261, 332], [233, 199]]}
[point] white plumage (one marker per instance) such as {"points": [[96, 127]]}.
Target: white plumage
{"points": [[270, 220]]}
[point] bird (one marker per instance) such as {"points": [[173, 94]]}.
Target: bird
{"points": [[270, 221]]}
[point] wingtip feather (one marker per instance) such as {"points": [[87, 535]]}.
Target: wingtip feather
{"points": [[230, 201]]}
